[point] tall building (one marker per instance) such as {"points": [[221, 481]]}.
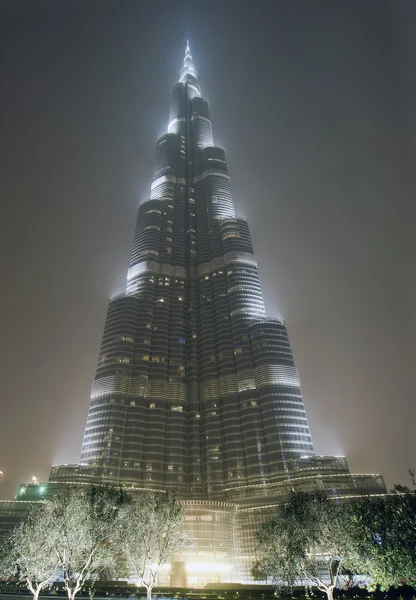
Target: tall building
{"points": [[196, 389]]}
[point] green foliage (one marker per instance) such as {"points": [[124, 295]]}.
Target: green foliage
{"points": [[149, 534], [257, 571], [70, 533], [310, 538], [28, 554], [84, 524], [386, 533]]}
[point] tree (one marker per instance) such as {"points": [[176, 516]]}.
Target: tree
{"points": [[28, 554], [258, 572], [149, 535], [385, 531], [309, 539], [70, 533], [84, 525]]}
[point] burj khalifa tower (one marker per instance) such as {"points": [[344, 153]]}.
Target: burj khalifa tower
{"points": [[196, 389]]}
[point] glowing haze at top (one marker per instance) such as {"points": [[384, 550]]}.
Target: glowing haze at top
{"points": [[196, 388], [188, 66]]}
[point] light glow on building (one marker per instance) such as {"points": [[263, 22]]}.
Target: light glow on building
{"points": [[196, 389]]}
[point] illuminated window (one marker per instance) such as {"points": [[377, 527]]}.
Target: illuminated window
{"points": [[170, 467], [152, 405], [149, 466], [176, 408]]}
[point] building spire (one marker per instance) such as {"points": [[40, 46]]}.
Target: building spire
{"points": [[188, 65]]}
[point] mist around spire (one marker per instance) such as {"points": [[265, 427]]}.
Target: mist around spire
{"points": [[188, 68]]}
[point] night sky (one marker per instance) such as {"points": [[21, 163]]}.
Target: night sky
{"points": [[313, 102]]}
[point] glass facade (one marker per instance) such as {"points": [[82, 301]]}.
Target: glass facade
{"points": [[196, 389]]}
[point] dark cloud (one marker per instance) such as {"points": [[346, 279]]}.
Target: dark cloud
{"points": [[314, 104]]}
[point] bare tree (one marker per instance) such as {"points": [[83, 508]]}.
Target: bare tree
{"points": [[150, 535]]}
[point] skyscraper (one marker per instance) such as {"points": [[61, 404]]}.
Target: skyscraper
{"points": [[196, 388]]}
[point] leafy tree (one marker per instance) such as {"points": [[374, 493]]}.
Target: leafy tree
{"points": [[258, 572], [386, 533], [70, 533], [84, 524], [150, 535], [309, 539], [28, 554]]}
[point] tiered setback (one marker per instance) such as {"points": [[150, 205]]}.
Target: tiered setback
{"points": [[196, 390]]}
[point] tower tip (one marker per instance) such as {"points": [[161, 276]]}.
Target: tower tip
{"points": [[188, 65]]}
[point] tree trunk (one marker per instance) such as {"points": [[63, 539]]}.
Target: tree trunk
{"points": [[36, 594], [330, 592], [149, 593]]}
